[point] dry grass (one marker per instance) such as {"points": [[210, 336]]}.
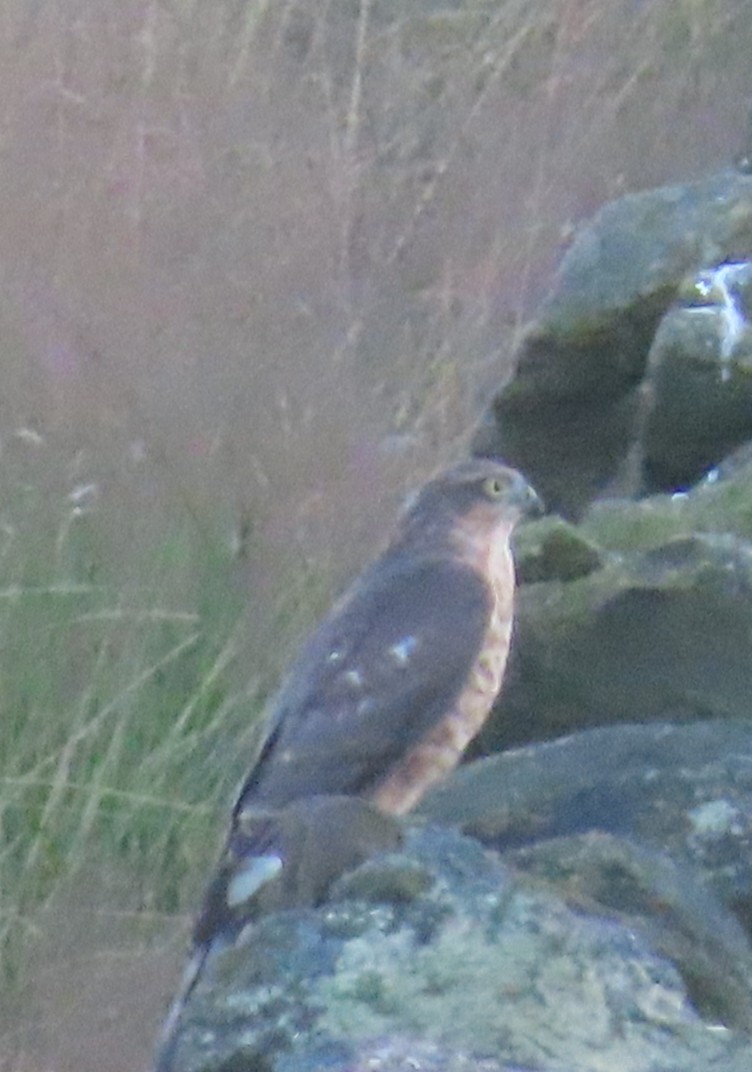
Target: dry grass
{"points": [[111, 694]]}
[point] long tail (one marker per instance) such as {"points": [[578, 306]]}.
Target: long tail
{"points": [[168, 1035], [274, 861]]}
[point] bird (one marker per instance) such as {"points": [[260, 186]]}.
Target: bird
{"points": [[380, 703]]}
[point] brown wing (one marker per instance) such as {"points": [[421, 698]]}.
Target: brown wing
{"points": [[374, 678]]}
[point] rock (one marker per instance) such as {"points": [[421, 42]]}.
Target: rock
{"points": [[699, 380], [659, 630], [568, 416], [680, 800], [683, 790], [648, 892], [478, 970], [653, 635], [553, 550], [721, 503]]}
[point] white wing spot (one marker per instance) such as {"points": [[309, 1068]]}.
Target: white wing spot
{"points": [[403, 649], [254, 874]]}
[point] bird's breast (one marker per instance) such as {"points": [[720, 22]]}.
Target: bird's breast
{"points": [[442, 747]]}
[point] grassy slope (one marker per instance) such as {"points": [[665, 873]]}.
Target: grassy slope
{"points": [[113, 699]]}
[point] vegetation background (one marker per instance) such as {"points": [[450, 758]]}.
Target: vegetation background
{"points": [[263, 262]]}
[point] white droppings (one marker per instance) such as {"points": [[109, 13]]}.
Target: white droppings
{"points": [[354, 678], [731, 315], [717, 286]]}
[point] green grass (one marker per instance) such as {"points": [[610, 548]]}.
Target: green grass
{"points": [[122, 725]]}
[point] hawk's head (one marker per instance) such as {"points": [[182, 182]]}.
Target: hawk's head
{"points": [[479, 499]]}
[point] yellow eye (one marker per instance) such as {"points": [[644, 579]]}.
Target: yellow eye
{"points": [[493, 487]]}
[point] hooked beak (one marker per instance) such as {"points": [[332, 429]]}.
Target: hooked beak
{"points": [[526, 498]]}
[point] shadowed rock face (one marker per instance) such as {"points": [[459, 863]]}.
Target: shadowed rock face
{"points": [[641, 612], [699, 378], [635, 372], [652, 634]]}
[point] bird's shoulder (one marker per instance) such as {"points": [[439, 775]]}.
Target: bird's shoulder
{"points": [[402, 613]]}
